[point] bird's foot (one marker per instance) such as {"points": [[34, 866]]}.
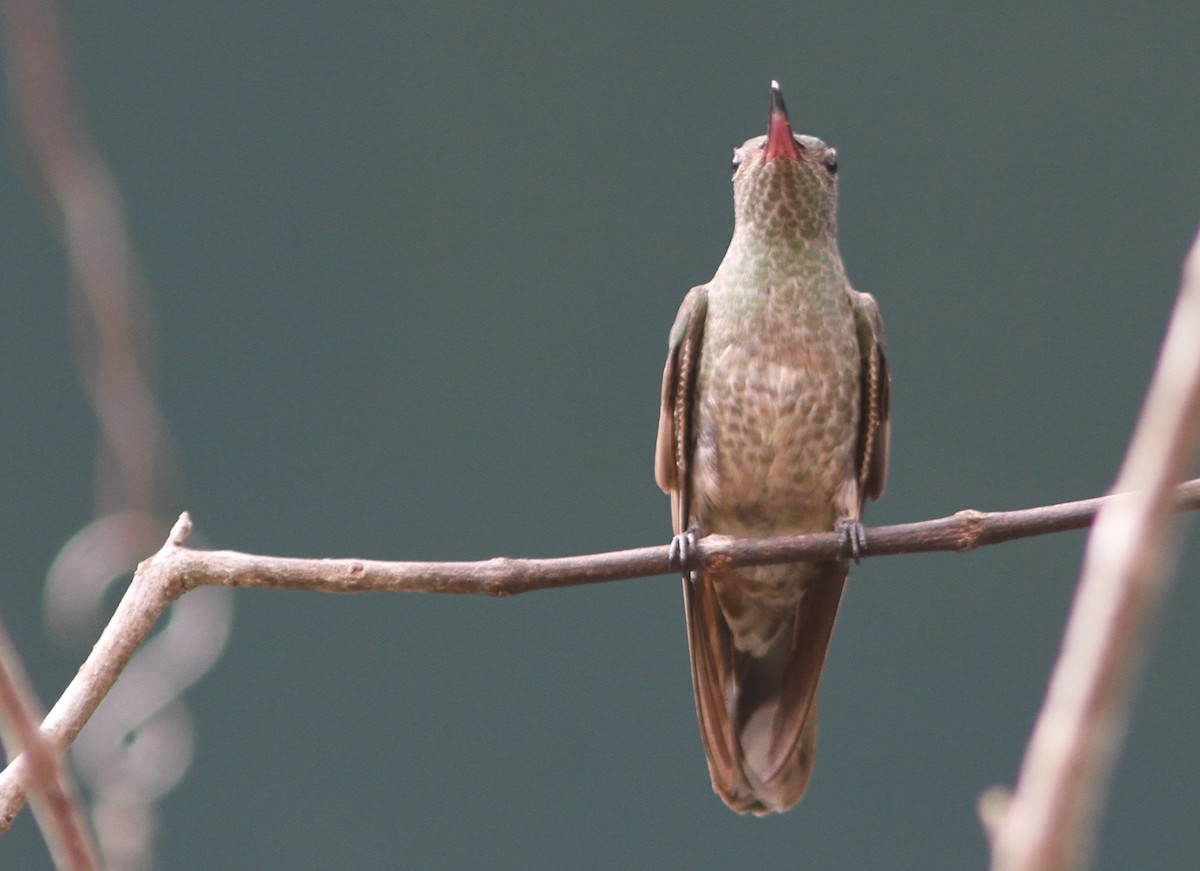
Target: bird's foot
{"points": [[683, 547], [854, 538]]}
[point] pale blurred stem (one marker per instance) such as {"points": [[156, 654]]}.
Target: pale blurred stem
{"points": [[1049, 823], [175, 569], [114, 339], [54, 796]]}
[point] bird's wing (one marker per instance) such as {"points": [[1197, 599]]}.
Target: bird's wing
{"points": [[875, 427], [709, 641], [672, 454]]}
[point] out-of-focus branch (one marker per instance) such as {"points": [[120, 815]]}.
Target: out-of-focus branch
{"points": [[54, 797], [136, 476], [175, 569], [112, 319], [1050, 821]]}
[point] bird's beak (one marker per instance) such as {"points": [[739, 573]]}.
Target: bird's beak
{"points": [[779, 131]]}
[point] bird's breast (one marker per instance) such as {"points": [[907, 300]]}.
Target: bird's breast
{"points": [[776, 419]]}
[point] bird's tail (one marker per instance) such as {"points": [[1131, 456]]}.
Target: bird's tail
{"points": [[758, 639]]}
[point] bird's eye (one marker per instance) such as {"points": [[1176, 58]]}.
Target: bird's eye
{"points": [[737, 160], [829, 161]]}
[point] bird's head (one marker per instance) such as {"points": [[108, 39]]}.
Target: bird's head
{"points": [[785, 183]]}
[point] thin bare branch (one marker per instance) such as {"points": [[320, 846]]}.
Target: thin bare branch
{"points": [[1050, 822], [176, 569], [139, 609], [55, 798]]}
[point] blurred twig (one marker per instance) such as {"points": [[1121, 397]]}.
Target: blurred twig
{"points": [[176, 569], [112, 318], [55, 799], [1049, 823], [136, 478]]}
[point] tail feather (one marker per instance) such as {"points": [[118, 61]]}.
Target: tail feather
{"points": [[756, 691]]}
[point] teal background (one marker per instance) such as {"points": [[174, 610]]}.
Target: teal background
{"points": [[413, 266]]}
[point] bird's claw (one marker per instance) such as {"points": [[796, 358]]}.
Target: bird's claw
{"points": [[854, 538], [683, 547]]}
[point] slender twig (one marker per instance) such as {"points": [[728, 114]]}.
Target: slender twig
{"points": [[55, 798], [175, 569], [1050, 821]]}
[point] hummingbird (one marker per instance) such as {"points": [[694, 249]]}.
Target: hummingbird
{"points": [[774, 421]]}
